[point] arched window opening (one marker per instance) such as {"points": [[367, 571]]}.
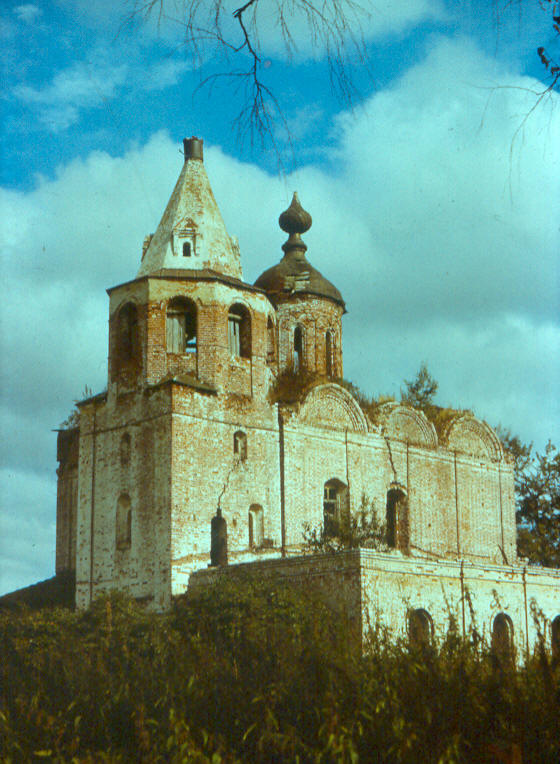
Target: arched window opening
{"points": [[555, 638], [270, 342], [420, 627], [502, 636], [397, 520], [239, 331], [186, 249], [124, 450], [298, 348], [329, 354], [256, 526], [240, 445], [127, 328], [124, 522], [181, 326], [335, 506]]}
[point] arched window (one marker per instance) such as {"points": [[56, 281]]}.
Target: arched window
{"points": [[397, 520], [502, 636], [124, 450], [239, 331], [181, 326], [335, 506], [555, 638], [124, 522], [329, 365], [240, 445], [256, 526], [127, 332], [420, 627], [270, 342], [298, 348]]}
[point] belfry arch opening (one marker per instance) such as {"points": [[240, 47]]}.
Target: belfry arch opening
{"points": [[127, 332], [181, 326], [397, 520], [335, 506], [239, 331], [329, 360]]}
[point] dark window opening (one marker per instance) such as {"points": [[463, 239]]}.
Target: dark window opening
{"points": [[502, 637], [240, 445], [186, 249], [335, 506], [239, 331], [329, 354], [181, 326], [397, 521], [124, 522], [270, 342], [420, 627], [298, 348], [127, 327], [555, 638]]}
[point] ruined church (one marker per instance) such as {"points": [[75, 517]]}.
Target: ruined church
{"points": [[193, 434]]}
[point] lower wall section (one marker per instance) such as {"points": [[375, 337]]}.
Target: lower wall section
{"points": [[366, 587]]}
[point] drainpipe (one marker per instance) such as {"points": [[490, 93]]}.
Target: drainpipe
{"points": [[282, 486]]}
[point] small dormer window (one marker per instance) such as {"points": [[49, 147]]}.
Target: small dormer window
{"points": [[186, 249]]}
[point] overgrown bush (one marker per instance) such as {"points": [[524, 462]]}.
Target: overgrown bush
{"points": [[243, 672]]}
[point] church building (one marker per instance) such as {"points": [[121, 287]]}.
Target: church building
{"points": [[200, 430]]}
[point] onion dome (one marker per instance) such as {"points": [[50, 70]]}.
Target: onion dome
{"points": [[294, 273]]}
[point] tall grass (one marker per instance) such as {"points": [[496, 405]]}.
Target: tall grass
{"points": [[243, 672]]}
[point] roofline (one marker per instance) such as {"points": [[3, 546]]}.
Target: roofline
{"points": [[202, 276]]}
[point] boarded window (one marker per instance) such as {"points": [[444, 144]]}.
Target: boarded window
{"points": [[502, 637], [239, 331], [240, 445], [181, 326], [124, 522], [256, 526], [420, 627], [397, 520], [335, 506], [329, 354], [127, 329], [298, 348]]}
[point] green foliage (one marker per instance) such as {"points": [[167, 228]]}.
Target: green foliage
{"points": [[421, 390], [250, 672], [355, 530]]}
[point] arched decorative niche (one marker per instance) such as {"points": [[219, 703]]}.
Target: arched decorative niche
{"points": [[124, 450], [270, 341], [401, 422], [471, 436], [124, 522], [240, 445], [256, 526], [331, 406]]}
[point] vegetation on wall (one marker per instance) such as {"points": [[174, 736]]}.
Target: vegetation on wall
{"points": [[246, 672]]}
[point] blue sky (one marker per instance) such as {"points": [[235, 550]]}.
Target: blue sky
{"points": [[435, 206]]}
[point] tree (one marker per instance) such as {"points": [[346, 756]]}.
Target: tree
{"points": [[334, 29], [421, 390], [360, 529], [537, 485]]}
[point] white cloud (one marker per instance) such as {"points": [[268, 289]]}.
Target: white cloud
{"points": [[28, 13], [443, 245]]}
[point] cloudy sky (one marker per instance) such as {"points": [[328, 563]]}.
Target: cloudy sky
{"points": [[435, 205]]}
